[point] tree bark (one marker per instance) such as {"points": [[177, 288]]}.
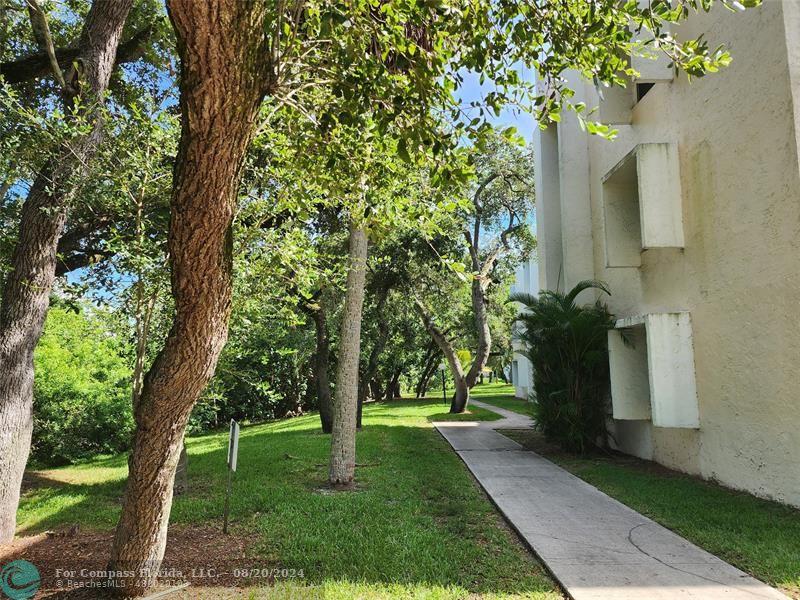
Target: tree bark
{"points": [[393, 388], [142, 318], [343, 437], [359, 408], [428, 368], [376, 389], [321, 359], [224, 76], [461, 396], [27, 287], [481, 313], [38, 65], [458, 404]]}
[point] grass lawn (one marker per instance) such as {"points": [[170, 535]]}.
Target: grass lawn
{"points": [[758, 536], [502, 396], [416, 525]]}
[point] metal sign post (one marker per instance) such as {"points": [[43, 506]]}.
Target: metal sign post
{"points": [[233, 453]]}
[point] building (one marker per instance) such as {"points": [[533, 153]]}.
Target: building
{"points": [[526, 282], [692, 216]]}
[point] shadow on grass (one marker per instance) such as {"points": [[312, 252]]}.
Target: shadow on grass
{"points": [[471, 414], [50, 503], [416, 519]]}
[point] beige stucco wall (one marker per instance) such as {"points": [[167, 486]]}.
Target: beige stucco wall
{"points": [[548, 209], [739, 273]]}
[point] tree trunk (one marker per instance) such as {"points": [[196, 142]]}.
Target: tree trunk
{"points": [[374, 355], [343, 438], [27, 287], [480, 311], [376, 389], [483, 270], [393, 388], [142, 319], [428, 369], [321, 360], [458, 404], [224, 76]]}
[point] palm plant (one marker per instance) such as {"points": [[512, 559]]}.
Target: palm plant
{"points": [[568, 347]]}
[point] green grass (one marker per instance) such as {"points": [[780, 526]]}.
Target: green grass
{"points": [[502, 396], [416, 526], [758, 536]]}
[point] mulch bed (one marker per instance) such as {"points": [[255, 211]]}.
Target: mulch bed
{"points": [[210, 561]]}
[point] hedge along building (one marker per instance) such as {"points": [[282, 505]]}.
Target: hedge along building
{"points": [[692, 215]]}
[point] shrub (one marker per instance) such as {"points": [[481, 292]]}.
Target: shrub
{"points": [[82, 389], [568, 347]]}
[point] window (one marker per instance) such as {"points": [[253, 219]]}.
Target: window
{"points": [[642, 89]]}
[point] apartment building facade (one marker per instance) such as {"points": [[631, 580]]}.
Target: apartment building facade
{"points": [[692, 216], [526, 282]]}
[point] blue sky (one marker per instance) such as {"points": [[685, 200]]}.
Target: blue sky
{"points": [[473, 90], [524, 122]]}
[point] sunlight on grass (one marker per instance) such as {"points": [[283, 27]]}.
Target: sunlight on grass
{"points": [[415, 526], [42, 503], [345, 590], [502, 396], [758, 536]]}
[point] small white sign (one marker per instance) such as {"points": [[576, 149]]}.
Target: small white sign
{"points": [[233, 445]]}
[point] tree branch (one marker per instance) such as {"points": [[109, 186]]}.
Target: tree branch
{"points": [[80, 259], [499, 247], [38, 65], [41, 32]]}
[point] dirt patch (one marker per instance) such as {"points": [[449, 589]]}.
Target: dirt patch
{"points": [[72, 563]]}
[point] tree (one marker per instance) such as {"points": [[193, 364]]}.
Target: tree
{"points": [[446, 345], [317, 309], [343, 432], [502, 202], [223, 80], [396, 63], [33, 265], [82, 380], [382, 281]]}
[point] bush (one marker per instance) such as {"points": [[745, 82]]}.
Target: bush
{"points": [[82, 389], [568, 347]]}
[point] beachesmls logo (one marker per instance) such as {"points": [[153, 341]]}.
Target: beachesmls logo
{"points": [[19, 580]]}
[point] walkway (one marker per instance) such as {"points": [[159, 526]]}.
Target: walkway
{"points": [[596, 547]]}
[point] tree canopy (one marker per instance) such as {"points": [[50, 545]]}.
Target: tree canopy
{"points": [[260, 209]]}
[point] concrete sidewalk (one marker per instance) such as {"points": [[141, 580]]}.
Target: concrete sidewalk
{"points": [[596, 547]]}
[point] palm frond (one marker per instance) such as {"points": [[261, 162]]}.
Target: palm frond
{"points": [[568, 348], [586, 284]]}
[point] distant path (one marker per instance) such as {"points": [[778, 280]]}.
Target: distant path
{"points": [[596, 547]]}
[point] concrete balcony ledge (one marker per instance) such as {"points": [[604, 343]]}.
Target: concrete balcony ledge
{"points": [[651, 360]]}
